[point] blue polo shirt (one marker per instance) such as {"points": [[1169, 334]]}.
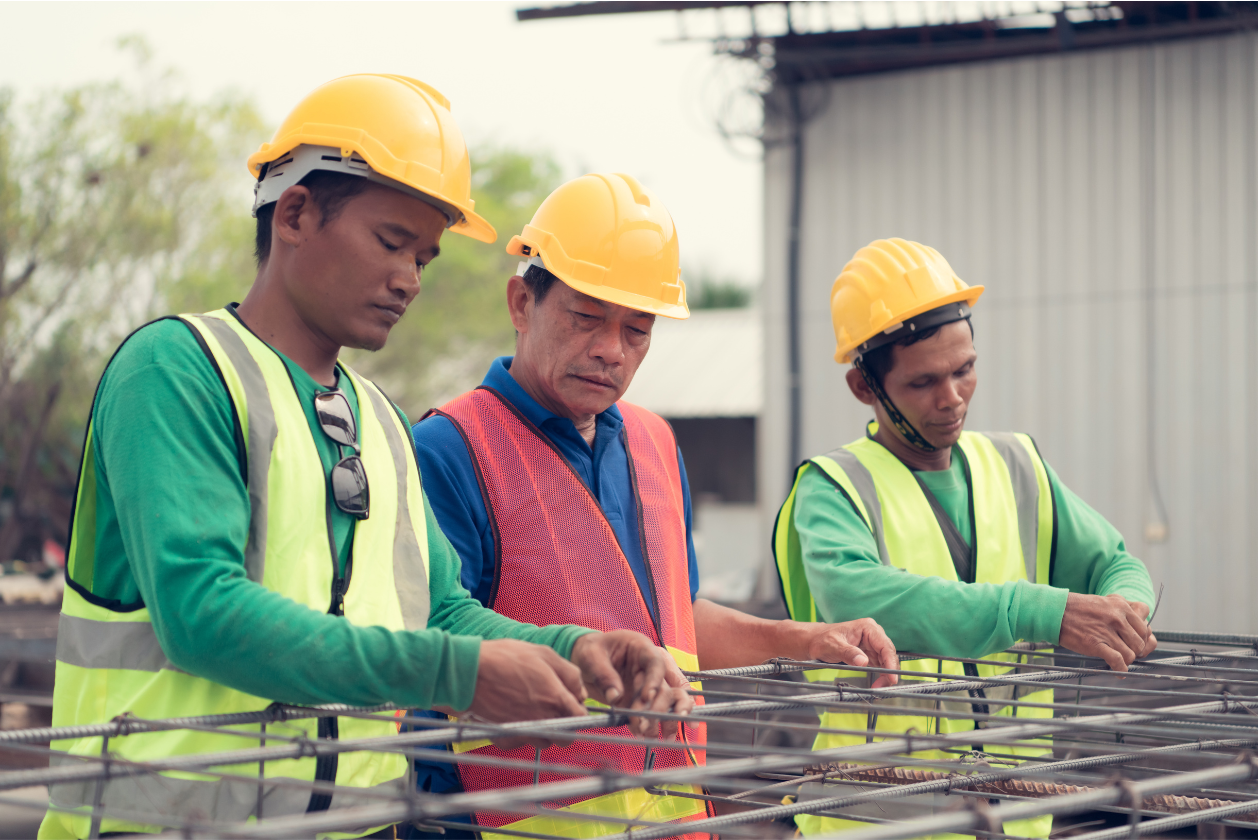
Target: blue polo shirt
{"points": [[454, 494]]}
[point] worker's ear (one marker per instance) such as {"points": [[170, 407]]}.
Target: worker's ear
{"points": [[859, 387], [295, 216], [518, 299]]}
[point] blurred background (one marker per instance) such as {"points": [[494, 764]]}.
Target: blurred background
{"points": [[1092, 164]]}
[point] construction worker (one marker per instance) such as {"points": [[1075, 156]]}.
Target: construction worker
{"points": [[569, 505], [959, 543], [250, 526]]}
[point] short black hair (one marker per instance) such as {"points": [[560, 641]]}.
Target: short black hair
{"points": [[539, 281], [879, 360], [330, 192]]}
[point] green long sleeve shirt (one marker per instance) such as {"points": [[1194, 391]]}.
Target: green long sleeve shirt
{"points": [[172, 522], [933, 615]]}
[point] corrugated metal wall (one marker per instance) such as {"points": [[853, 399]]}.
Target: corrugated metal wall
{"points": [[1107, 199]]}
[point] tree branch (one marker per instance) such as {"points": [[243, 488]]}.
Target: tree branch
{"points": [[11, 287]]}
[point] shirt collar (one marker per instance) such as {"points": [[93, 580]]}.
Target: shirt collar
{"points": [[500, 379]]}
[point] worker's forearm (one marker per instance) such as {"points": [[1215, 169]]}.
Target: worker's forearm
{"points": [[1127, 576], [246, 637], [728, 638], [466, 617]]}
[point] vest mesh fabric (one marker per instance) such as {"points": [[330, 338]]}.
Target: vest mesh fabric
{"points": [[559, 562]]}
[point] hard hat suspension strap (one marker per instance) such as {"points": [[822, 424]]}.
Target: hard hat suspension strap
{"points": [[290, 168], [912, 435]]}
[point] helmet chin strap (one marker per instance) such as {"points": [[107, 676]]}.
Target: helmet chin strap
{"points": [[912, 435]]}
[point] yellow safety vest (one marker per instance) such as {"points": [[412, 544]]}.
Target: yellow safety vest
{"points": [[1012, 506], [109, 660]]}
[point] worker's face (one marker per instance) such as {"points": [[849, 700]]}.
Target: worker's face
{"points": [[580, 352], [355, 275], [931, 383]]}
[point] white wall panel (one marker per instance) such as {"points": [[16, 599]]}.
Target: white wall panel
{"points": [[1107, 199]]}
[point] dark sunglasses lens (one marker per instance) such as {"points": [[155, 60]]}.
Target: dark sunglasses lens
{"points": [[336, 418], [349, 487]]}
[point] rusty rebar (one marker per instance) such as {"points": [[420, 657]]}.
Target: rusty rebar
{"points": [[1165, 803]]}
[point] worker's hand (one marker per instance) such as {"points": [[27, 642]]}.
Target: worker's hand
{"points": [[521, 681], [622, 668], [859, 643], [1109, 626]]}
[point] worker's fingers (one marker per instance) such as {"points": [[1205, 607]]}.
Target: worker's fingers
{"points": [[674, 677], [891, 663], [874, 646], [672, 699], [1137, 622], [566, 704], [684, 703], [836, 648], [569, 676], [1124, 627], [1116, 660], [1141, 609], [881, 649], [662, 702], [597, 669], [668, 699], [653, 664], [1150, 645]]}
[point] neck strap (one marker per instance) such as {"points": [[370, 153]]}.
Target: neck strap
{"points": [[912, 435]]}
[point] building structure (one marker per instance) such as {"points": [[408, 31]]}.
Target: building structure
{"points": [[1104, 192], [1094, 165]]}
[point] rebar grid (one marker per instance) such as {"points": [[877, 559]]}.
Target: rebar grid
{"points": [[1166, 745]]}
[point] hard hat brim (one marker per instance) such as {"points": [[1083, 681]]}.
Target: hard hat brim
{"points": [[383, 163], [970, 295], [525, 247], [477, 227], [677, 311]]}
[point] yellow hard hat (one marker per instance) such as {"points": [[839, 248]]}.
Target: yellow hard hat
{"points": [[887, 283], [391, 129], [608, 236]]}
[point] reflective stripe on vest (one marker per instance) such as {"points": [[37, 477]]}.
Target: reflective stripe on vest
{"points": [[558, 562], [110, 661], [1012, 505]]}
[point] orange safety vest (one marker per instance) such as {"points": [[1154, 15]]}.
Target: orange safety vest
{"points": [[558, 562]]}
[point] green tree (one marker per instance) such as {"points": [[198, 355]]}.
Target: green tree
{"points": [[122, 201], [459, 322], [107, 192], [706, 290]]}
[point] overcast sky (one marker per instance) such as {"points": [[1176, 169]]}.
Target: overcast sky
{"points": [[602, 93]]}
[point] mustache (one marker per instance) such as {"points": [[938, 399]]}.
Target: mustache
{"points": [[601, 373]]}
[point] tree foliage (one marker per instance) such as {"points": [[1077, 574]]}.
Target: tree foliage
{"points": [[126, 200], [113, 197], [706, 290]]}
